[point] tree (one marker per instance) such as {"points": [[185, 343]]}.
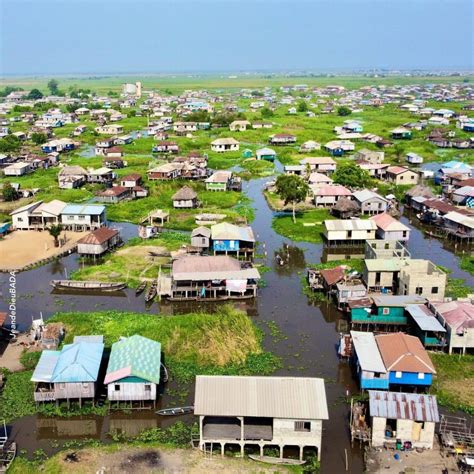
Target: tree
{"points": [[349, 174], [292, 189], [38, 138], [302, 106], [8, 192], [71, 108], [266, 112], [398, 149], [53, 86], [35, 94], [10, 144], [343, 111], [131, 113], [55, 232]]}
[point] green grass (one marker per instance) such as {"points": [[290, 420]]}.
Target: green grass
{"points": [[132, 263], [284, 225], [467, 263], [226, 342], [454, 381]]}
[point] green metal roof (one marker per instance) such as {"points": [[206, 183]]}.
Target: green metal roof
{"points": [[134, 356]]}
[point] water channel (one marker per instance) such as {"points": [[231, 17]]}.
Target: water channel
{"points": [[309, 349]]}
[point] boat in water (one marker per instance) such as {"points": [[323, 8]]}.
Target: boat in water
{"points": [[274, 460], [140, 288], [178, 411], [87, 285], [151, 292]]}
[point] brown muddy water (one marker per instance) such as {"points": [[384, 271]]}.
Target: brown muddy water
{"points": [[307, 346]]}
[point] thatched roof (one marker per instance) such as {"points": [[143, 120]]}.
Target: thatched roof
{"points": [[345, 205], [420, 190], [185, 194]]}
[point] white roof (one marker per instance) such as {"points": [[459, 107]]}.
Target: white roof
{"points": [[225, 141], [367, 351], [365, 195], [460, 219], [269, 397], [350, 224]]}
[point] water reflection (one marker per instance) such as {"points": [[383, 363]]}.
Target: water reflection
{"points": [[288, 259]]}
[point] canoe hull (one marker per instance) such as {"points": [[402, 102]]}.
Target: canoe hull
{"points": [[86, 285]]}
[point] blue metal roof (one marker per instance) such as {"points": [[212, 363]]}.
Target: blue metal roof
{"points": [[45, 367], [87, 209], [78, 362]]}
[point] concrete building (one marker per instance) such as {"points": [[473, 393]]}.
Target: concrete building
{"points": [[17, 169], [370, 202], [390, 229], [349, 232], [408, 417], [422, 277], [260, 411], [222, 145], [457, 317]]}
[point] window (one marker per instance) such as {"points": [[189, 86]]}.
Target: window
{"points": [[20, 219], [147, 388], [386, 311], [117, 388], [421, 375], [398, 375], [62, 386], [419, 290], [349, 234], [434, 290], [412, 176], [303, 426], [203, 241], [404, 233], [81, 218], [401, 178]]}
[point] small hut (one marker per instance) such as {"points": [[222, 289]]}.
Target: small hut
{"points": [[418, 191], [345, 208], [186, 198]]}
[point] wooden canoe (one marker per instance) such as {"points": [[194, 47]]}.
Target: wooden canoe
{"points": [[151, 292], [273, 460], [175, 411], [140, 288], [87, 285]]}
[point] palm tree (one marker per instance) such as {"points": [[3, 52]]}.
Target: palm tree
{"points": [[55, 232]]}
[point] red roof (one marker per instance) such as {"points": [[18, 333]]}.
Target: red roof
{"points": [[332, 190], [131, 177], [397, 169], [332, 275], [98, 236], [114, 191], [403, 353]]}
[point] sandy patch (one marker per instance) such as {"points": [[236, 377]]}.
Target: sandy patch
{"points": [[148, 460], [21, 248]]}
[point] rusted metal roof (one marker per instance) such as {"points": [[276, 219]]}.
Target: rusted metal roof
{"points": [[272, 397], [403, 406]]}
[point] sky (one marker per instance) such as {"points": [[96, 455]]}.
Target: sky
{"points": [[44, 37]]}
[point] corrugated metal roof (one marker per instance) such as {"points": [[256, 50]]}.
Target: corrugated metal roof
{"points": [[134, 356], [367, 352], [424, 318], [272, 397], [403, 406], [350, 224], [228, 231], [87, 209], [397, 300], [79, 362], [45, 367]]}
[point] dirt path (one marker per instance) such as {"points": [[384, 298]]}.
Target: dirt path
{"points": [[150, 460], [21, 248], [10, 359]]}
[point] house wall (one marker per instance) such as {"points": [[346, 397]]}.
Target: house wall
{"points": [[131, 391], [410, 378], [325, 200], [92, 249], [373, 205], [20, 221], [404, 432], [386, 278], [356, 235], [460, 342], [199, 241], [183, 203], [409, 282], [74, 390], [393, 235], [216, 186], [284, 433]]}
